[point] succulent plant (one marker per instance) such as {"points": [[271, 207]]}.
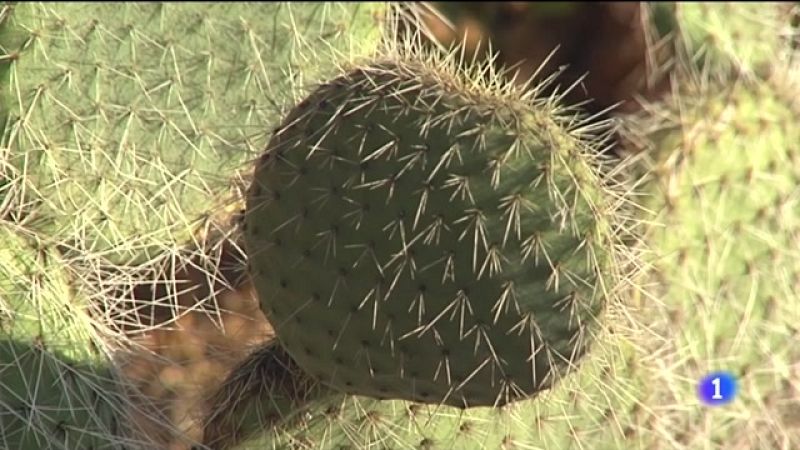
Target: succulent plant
{"points": [[418, 236], [707, 302], [422, 230], [725, 176], [124, 128], [414, 229], [58, 389], [127, 122]]}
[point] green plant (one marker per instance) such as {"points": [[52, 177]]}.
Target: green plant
{"points": [[127, 122], [126, 127], [57, 390], [413, 233], [725, 172], [724, 194], [422, 230]]}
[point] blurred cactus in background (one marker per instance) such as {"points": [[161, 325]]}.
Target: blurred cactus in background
{"points": [[441, 225]]}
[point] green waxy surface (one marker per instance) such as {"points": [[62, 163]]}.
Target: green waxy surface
{"points": [[127, 122], [410, 240], [56, 387], [727, 272]]}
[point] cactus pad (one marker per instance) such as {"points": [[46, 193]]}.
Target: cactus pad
{"points": [[128, 122], [57, 388], [415, 236]]}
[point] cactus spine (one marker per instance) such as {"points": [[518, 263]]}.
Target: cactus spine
{"points": [[415, 234], [117, 113], [57, 387], [124, 127]]}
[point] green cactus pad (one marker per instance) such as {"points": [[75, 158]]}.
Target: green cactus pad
{"points": [[128, 122], [57, 390], [596, 407], [266, 391], [732, 36], [726, 189], [414, 236]]}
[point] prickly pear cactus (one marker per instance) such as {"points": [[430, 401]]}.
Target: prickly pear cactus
{"points": [[267, 391], [124, 126], [721, 292], [128, 122], [57, 387], [726, 192], [413, 233]]}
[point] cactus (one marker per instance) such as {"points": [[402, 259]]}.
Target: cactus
{"points": [[124, 125], [124, 128], [712, 301], [128, 122], [266, 391], [58, 389], [384, 170], [725, 185], [415, 234]]}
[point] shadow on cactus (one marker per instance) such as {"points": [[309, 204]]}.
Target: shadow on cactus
{"points": [[58, 388]]}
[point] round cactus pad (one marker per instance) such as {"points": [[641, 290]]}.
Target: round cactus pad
{"points": [[416, 235]]}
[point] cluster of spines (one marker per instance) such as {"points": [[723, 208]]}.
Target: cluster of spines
{"points": [[124, 127], [386, 420], [660, 401]]}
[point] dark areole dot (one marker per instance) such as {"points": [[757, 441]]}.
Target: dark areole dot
{"points": [[306, 253], [338, 361], [365, 343], [284, 283]]}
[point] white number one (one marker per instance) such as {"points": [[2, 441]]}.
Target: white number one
{"points": [[717, 395]]}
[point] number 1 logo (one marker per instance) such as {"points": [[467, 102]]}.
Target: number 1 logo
{"points": [[717, 388]]}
